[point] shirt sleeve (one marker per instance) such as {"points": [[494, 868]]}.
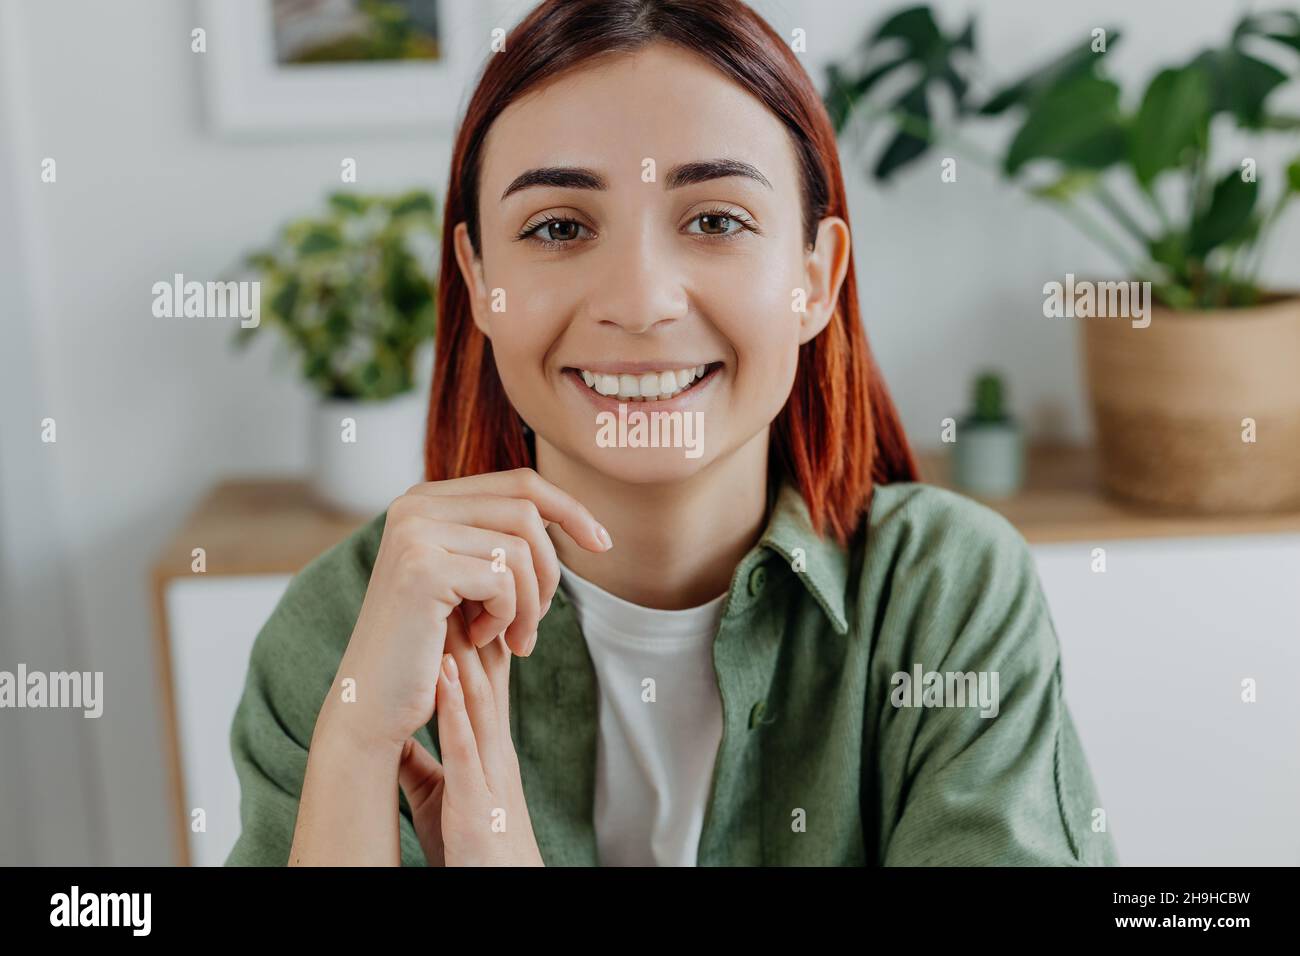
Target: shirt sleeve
{"points": [[1003, 782], [269, 746], [291, 669]]}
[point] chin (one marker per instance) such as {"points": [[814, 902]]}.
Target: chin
{"points": [[646, 465]]}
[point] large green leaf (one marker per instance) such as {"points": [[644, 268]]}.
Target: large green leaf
{"points": [[1171, 251], [1290, 39], [910, 40], [1281, 26], [1239, 83], [842, 91], [916, 27], [966, 39], [1293, 175], [1059, 72], [950, 74], [1174, 119], [1226, 217], [912, 37], [839, 96], [1077, 123], [905, 146]]}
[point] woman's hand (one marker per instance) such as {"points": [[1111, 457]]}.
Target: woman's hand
{"points": [[475, 544], [469, 810], [467, 557]]}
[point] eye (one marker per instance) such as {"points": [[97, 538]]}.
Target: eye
{"points": [[722, 223], [555, 231]]}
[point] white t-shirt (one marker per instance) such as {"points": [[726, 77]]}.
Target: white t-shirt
{"points": [[654, 759]]}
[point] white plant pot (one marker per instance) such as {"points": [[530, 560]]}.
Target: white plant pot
{"points": [[365, 454], [989, 459]]}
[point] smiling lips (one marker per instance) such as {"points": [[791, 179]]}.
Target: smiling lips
{"points": [[644, 386]]}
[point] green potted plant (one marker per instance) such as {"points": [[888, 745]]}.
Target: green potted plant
{"points": [[1196, 404], [988, 455], [352, 294]]}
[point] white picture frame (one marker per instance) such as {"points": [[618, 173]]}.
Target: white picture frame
{"points": [[248, 94]]}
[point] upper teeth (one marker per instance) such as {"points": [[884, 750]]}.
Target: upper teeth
{"points": [[648, 385]]}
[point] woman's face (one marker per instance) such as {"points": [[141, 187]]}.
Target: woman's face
{"points": [[642, 245]]}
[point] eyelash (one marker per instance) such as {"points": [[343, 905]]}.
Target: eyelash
{"points": [[746, 225]]}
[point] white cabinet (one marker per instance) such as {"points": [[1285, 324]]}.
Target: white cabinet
{"points": [[1155, 651], [213, 622]]}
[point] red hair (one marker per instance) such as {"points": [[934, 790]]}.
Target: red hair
{"points": [[839, 431]]}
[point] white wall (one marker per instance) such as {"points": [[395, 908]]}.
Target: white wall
{"points": [[151, 413]]}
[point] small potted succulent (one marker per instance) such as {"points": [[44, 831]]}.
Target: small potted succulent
{"points": [[1195, 395], [989, 453], [352, 293]]}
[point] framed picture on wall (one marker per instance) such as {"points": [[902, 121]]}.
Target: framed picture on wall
{"points": [[289, 67]]}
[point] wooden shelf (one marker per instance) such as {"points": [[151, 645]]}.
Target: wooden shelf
{"points": [[276, 526], [256, 526], [1062, 500]]}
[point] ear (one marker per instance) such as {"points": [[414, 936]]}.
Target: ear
{"points": [[824, 270], [471, 270]]}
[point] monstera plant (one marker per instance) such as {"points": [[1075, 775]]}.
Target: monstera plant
{"points": [[352, 294], [1079, 140], [1199, 409]]}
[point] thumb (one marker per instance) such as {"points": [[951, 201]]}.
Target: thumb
{"points": [[419, 773]]}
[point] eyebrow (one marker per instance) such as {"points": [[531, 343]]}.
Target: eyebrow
{"points": [[683, 174]]}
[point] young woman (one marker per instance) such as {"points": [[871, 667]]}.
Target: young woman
{"points": [[753, 640]]}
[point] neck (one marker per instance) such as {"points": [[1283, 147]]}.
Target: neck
{"points": [[676, 544]]}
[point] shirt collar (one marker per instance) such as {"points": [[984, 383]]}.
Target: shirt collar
{"points": [[820, 564]]}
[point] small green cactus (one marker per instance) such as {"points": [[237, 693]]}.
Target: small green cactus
{"points": [[988, 399]]}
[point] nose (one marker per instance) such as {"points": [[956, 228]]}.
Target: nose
{"points": [[640, 287]]}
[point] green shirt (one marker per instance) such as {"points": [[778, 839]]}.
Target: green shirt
{"points": [[820, 762]]}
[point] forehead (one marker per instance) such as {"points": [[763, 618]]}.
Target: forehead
{"points": [[661, 102]]}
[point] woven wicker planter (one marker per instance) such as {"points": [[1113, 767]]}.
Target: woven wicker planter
{"points": [[1168, 402]]}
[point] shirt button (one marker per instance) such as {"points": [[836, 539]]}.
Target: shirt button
{"points": [[756, 715], [757, 578]]}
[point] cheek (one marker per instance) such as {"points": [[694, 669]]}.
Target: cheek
{"points": [[528, 319], [754, 308]]}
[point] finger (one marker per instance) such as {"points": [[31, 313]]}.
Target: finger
{"points": [[419, 774], [472, 579], [480, 702], [552, 503], [506, 554], [496, 661], [515, 517], [461, 768], [470, 611], [495, 658]]}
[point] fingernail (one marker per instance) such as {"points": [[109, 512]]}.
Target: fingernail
{"points": [[528, 648], [546, 608], [604, 537], [449, 668]]}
